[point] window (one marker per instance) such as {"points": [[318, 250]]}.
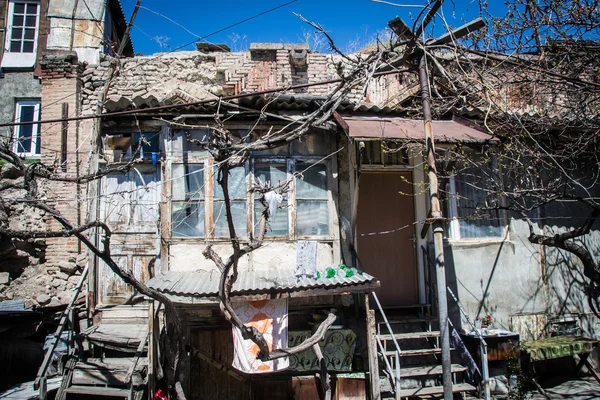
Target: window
{"points": [[27, 136], [21, 34], [467, 209], [198, 206]]}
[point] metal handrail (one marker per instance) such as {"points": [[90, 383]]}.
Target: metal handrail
{"points": [[40, 380], [482, 344]]}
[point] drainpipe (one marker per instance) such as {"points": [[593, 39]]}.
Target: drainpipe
{"points": [[438, 230]]}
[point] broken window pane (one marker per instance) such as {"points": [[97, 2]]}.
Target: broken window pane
{"points": [[187, 219], [188, 181]]}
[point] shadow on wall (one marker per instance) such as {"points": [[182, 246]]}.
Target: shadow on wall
{"points": [[508, 280]]}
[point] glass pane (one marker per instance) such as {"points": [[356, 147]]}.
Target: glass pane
{"points": [[273, 173], [15, 46], [20, 8], [187, 219], [188, 181], [27, 114], [17, 20], [474, 220], [150, 144], [277, 226], [17, 33], [29, 34], [314, 144], [32, 8], [38, 141], [193, 141], [27, 47], [236, 183], [25, 139], [312, 218], [238, 210], [30, 20], [314, 184]]}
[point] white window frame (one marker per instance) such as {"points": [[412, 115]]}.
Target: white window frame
{"points": [[20, 59], [35, 137], [454, 220]]}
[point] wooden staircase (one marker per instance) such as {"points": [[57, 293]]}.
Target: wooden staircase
{"points": [[117, 366], [419, 360]]}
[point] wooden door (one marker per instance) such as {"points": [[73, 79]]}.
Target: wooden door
{"points": [[130, 207], [385, 224]]}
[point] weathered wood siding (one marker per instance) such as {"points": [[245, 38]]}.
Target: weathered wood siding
{"points": [[130, 206]]}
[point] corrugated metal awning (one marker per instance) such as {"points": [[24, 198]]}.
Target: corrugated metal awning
{"points": [[412, 129], [205, 284]]}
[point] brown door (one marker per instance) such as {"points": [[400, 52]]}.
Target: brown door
{"points": [[385, 224]]}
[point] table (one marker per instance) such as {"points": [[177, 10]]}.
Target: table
{"points": [[558, 347], [501, 345]]}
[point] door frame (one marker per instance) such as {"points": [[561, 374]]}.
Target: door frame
{"points": [[415, 170]]}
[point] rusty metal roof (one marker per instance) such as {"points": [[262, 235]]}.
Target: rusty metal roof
{"points": [[201, 283], [412, 129]]}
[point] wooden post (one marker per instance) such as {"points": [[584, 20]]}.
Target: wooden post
{"points": [[64, 136], [151, 333], [372, 351]]}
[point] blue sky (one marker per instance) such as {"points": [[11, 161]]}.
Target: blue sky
{"points": [[352, 23]]}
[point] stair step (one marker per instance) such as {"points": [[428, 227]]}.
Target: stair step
{"points": [[98, 391], [108, 371], [409, 320], [434, 390], [418, 352], [427, 370], [411, 335]]}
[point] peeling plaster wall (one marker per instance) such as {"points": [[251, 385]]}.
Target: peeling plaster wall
{"points": [[16, 86]]}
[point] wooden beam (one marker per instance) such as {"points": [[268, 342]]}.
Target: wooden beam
{"points": [[64, 136], [151, 341], [372, 352]]}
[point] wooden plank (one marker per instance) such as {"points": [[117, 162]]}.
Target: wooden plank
{"points": [[419, 352], [116, 364], [151, 355], [409, 321], [98, 391], [427, 370], [434, 390], [411, 335], [350, 389], [106, 377], [372, 353]]}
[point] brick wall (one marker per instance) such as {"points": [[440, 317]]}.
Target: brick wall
{"points": [[61, 84]]}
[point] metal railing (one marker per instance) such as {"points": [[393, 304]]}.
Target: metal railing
{"points": [[482, 345], [68, 316], [393, 372]]}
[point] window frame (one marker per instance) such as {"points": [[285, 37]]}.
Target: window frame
{"points": [[36, 133], [20, 59], [454, 220], [288, 159]]}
